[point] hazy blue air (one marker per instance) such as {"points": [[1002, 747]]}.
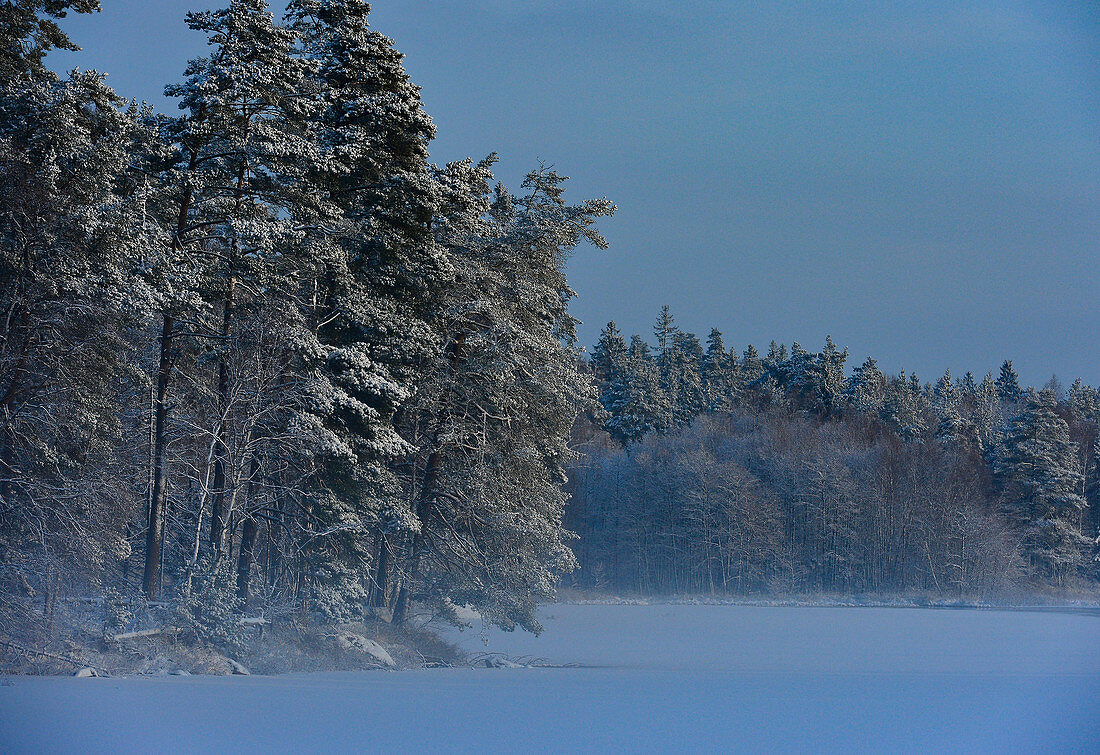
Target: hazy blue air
{"points": [[919, 180]]}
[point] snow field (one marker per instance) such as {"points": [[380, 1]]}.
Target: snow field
{"points": [[651, 678]]}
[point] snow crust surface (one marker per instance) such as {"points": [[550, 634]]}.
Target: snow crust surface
{"points": [[648, 678]]}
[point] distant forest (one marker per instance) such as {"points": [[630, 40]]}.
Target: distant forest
{"points": [[709, 471]]}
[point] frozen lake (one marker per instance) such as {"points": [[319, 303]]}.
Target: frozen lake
{"points": [[656, 677]]}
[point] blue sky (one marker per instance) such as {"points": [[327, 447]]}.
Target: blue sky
{"points": [[919, 180]]}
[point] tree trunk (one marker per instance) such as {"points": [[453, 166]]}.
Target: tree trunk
{"points": [[379, 588], [244, 561], [218, 508], [248, 537], [154, 534], [423, 512]]}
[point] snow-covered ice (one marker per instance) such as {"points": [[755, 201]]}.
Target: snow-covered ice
{"points": [[649, 677]]}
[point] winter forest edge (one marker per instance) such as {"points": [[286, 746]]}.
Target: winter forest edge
{"points": [[264, 362]]}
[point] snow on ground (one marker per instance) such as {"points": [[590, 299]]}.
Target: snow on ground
{"points": [[656, 677]]}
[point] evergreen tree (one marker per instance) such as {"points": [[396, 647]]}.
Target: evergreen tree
{"points": [[985, 415], [608, 354], [945, 398], [370, 287], [721, 375], [903, 406], [665, 331], [769, 385], [683, 378], [751, 366], [608, 363], [502, 400], [28, 31], [1084, 401], [799, 376], [775, 359], [831, 363], [638, 404], [967, 386], [1008, 384], [866, 389], [238, 185], [1040, 479], [73, 248]]}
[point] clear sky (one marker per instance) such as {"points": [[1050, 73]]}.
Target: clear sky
{"points": [[919, 180]]}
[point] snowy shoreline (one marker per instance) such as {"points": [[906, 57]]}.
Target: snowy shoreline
{"points": [[1082, 605], [629, 677]]}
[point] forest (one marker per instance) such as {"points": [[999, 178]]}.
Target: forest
{"points": [[263, 357], [709, 472]]}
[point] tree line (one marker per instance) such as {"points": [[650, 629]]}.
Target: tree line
{"points": [[264, 352], [709, 471]]}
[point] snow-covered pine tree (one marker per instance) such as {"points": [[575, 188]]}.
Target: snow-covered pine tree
{"points": [[664, 329], [1084, 401], [866, 389], [226, 278], [904, 406], [799, 376], [1008, 384], [369, 291], [28, 31], [608, 363], [768, 386], [944, 396], [953, 430], [608, 353], [1040, 480], [831, 361], [721, 375], [684, 379], [638, 405], [985, 416], [751, 366], [498, 409], [966, 389], [73, 244]]}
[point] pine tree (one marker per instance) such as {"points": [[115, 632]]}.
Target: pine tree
{"points": [[968, 387], [73, 245], [721, 375], [945, 398], [952, 429], [769, 385], [799, 376], [638, 405], [28, 31], [238, 185], [831, 363], [503, 398], [370, 287], [985, 415], [751, 366], [665, 331], [684, 379], [866, 389], [1008, 384], [775, 359], [608, 354], [1040, 479], [904, 406]]}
